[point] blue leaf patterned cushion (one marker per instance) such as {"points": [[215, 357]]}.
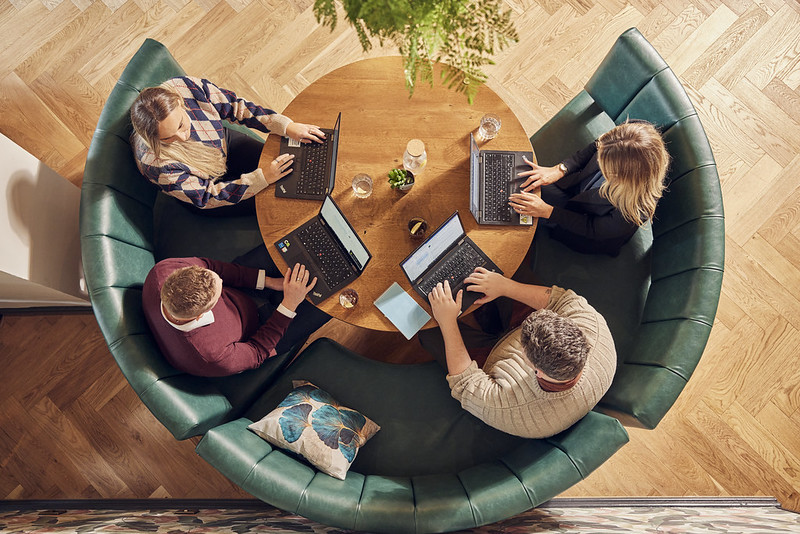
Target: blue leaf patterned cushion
{"points": [[311, 423]]}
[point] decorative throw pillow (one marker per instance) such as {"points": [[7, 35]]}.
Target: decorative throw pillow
{"points": [[311, 423]]}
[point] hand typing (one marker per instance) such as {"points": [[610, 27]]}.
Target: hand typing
{"points": [[530, 204], [490, 283], [296, 286], [280, 167], [539, 176], [304, 133], [444, 307]]}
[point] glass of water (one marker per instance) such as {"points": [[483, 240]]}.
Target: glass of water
{"points": [[362, 185], [490, 125], [348, 298]]}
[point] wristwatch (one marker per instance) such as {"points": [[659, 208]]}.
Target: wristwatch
{"points": [[562, 168]]}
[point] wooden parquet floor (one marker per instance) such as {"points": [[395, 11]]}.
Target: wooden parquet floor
{"points": [[71, 427]]}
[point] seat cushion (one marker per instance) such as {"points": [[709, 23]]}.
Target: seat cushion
{"points": [[203, 235], [423, 429], [616, 287], [578, 123]]}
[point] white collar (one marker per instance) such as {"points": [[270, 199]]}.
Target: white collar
{"points": [[205, 319]]}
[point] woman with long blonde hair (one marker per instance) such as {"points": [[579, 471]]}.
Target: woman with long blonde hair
{"points": [[595, 200], [181, 144]]}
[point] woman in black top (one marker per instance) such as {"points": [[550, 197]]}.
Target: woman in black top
{"points": [[595, 200]]}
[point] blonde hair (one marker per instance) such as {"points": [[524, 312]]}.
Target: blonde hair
{"points": [[150, 108], [634, 161], [188, 292]]}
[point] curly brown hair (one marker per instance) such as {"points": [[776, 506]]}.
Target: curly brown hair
{"points": [[188, 292], [554, 344]]}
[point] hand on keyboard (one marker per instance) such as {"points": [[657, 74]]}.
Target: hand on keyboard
{"points": [[280, 167], [445, 308], [539, 176], [490, 283], [304, 133], [530, 204], [296, 286]]}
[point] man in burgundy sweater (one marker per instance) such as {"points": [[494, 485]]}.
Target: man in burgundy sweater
{"points": [[206, 327]]}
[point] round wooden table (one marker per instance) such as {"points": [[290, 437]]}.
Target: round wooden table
{"points": [[378, 120]]}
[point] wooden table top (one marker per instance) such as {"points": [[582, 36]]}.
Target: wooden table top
{"points": [[378, 120]]}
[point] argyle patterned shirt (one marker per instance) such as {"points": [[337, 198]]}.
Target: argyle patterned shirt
{"points": [[207, 105]]}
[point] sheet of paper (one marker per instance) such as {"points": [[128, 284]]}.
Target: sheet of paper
{"points": [[402, 310]]}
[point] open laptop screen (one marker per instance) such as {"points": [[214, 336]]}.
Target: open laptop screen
{"points": [[432, 248], [344, 232], [335, 148], [474, 176]]}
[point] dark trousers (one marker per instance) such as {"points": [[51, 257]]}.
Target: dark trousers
{"points": [[244, 153], [309, 318], [494, 319]]}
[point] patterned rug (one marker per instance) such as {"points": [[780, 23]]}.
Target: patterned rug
{"points": [[550, 518]]}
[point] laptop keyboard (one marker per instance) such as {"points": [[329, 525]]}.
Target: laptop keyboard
{"points": [[455, 268], [498, 170], [330, 260], [313, 178]]}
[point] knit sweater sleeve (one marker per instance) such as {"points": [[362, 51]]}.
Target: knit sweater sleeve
{"points": [[184, 183], [251, 353], [236, 109], [505, 393], [481, 393], [232, 274]]}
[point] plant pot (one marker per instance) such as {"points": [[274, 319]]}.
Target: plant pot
{"points": [[409, 183]]}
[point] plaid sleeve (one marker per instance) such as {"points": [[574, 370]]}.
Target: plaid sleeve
{"points": [[231, 107], [177, 180]]}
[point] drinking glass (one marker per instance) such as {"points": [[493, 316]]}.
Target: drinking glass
{"points": [[348, 298], [362, 185], [490, 125], [417, 227]]}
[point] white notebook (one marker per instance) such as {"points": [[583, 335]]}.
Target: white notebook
{"points": [[402, 310]]}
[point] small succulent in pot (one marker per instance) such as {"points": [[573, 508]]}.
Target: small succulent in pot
{"points": [[401, 179]]}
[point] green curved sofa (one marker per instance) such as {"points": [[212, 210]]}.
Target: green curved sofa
{"points": [[431, 468], [660, 295], [124, 225]]}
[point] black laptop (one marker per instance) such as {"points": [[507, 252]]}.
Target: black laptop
{"points": [[448, 254], [314, 167], [329, 248], [492, 179]]}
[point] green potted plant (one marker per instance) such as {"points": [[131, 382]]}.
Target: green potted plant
{"points": [[401, 179], [462, 35]]}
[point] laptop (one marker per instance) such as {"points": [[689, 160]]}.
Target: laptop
{"points": [[492, 179], [330, 249], [314, 169], [446, 254]]}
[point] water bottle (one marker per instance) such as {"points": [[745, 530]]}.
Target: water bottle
{"points": [[415, 157]]}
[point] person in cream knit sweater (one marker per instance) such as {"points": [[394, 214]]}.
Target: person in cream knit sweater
{"points": [[540, 378]]}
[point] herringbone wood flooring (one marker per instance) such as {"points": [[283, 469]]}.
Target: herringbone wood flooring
{"points": [[71, 427]]}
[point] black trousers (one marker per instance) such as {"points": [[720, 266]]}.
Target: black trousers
{"points": [[494, 319], [309, 318], [243, 155]]}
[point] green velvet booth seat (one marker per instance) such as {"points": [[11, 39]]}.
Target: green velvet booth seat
{"points": [[126, 226], [660, 295], [431, 468]]}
